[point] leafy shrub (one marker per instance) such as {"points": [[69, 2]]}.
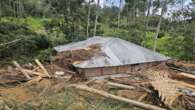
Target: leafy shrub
{"points": [[45, 54], [27, 47], [169, 45]]}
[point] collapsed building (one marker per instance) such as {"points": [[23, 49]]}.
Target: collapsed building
{"points": [[112, 56]]}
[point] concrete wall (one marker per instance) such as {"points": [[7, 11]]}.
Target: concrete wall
{"points": [[90, 72]]}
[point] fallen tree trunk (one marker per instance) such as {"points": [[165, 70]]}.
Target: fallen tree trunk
{"points": [[107, 95]]}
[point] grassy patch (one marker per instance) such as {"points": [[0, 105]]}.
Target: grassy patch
{"points": [[69, 99]]}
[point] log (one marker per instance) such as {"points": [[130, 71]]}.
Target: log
{"points": [[127, 82], [187, 75], [21, 69], [35, 73], [186, 84], [107, 95], [120, 85], [42, 67]]}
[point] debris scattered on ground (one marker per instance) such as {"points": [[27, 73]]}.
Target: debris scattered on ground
{"points": [[108, 95], [184, 64], [154, 88]]}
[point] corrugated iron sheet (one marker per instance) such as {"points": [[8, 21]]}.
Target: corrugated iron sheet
{"points": [[116, 52]]}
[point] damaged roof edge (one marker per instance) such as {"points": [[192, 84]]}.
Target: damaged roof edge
{"points": [[120, 65]]}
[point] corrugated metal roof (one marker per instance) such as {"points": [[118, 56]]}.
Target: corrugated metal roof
{"points": [[116, 52]]}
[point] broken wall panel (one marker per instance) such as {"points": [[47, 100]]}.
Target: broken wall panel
{"points": [[90, 72]]}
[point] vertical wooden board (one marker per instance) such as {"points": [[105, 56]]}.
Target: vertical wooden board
{"points": [[109, 70], [89, 72]]}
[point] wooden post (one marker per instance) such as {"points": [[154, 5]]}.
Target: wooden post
{"points": [[107, 95], [42, 67], [21, 69]]}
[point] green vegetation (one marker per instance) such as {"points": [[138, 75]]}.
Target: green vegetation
{"points": [[31, 28], [42, 24]]}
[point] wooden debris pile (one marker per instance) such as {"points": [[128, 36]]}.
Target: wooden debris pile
{"points": [[38, 72], [66, 59], [183, 64], [168, 90], [164, 85], [31, 72], [154, 86], [11, 76], [25, 82], [153, 89]]}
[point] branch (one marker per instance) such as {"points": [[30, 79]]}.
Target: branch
{"points": [[7, 43]]}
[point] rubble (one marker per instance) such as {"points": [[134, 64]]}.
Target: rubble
{"points": [[157, 87], [66, 59], [12, 77]]}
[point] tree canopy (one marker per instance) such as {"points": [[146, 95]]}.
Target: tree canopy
{"points": [[166, 26]]}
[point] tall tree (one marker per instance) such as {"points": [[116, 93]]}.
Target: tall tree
{"points": [[0, 11], [149, 3], [163, 9], [96, 17], [119, 13], [193, 27], [88, 16]]}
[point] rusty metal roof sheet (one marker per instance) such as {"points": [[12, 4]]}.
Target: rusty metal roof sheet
{"points": [[116, 52]]}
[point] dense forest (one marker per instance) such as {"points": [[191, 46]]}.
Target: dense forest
{"points": [[31, 28]]}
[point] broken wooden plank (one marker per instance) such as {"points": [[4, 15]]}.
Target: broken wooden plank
{"points": [[21, 69], [187, 75], [34, 80], [182, 70], [107, 95], [120, 85], [120, 75], [186, 84], [90, 81], [35, 73], [71, 72], [42, 67]]}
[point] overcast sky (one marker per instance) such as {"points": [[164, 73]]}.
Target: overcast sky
{"points": [[109, 2], [116, 2]]}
